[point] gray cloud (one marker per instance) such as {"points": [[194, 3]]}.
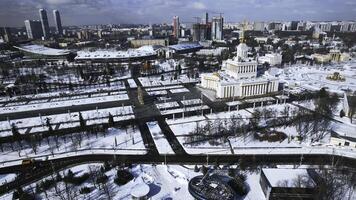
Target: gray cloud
{"points": [[77, 12]]}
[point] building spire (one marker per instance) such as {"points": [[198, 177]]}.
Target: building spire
{"points": [[244, 27]]}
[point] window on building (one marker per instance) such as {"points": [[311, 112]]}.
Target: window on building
{"points": [[347, 143]]}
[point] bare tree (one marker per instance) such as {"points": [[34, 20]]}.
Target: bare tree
{"points": [[331, 185]]}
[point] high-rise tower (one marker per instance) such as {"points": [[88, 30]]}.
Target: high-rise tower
{"points": [[217, 28], [176, 27], [33, 29], [57, 20], [44, 22]]}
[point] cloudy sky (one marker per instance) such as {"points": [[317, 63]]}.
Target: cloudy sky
{"points": [[79, 12]]}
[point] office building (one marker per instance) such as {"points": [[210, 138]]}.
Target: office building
{"points": [[258, 26], [58, 22], [206, 18], [176, 27], [44, 23], [33, 29], [277, 183], [217, 28], [199, 32], [7, 34], [294, 25]]}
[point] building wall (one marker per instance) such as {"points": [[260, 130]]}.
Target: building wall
{"points": [[241, 70], [272, 59], [342, 142], [176, 27], [217, 28], [58, 22], [44, 22], [140, 43], [266, 188], [33, 29], [346, 105], [243, 89]]}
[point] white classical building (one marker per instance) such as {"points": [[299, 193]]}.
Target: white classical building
{"points": [[238, 78], [272, 59]]}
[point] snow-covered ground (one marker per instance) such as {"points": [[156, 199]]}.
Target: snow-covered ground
{"points": [[179, 90], [184, 130], [58, 94], [191, 102], [314, 77], [128, 141], [51, 105], [132, 83], [6, 178], [67, 120], [164, 181], [159, 138], [157, 93], [164, 88], [181, 110], [152, 81], [343, 127], [162, 106]]}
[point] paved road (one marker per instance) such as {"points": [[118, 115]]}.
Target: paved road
{"points": [[48, 167], [149, 112], [171, 138]]}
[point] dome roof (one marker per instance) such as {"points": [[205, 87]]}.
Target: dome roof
{"points": [[242, 47], [241, 51]]}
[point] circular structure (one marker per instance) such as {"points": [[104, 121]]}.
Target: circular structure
{"points": [[214, 187], [140, 191]]}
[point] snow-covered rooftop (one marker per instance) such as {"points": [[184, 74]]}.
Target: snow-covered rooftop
{"points": [[39, 49], [226, 79], [107, 54], [185, 46], [288, 178]]}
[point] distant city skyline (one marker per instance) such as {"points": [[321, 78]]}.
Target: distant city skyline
{"points": [[86, 12]]}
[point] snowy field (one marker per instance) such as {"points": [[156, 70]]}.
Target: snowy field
{"points": [[181, 110], [5, 178], [343, 126], [191, 102], [67, 120], [157, 93], [184, 130], [51, 105], [58, 94], [164, 181], [132, 83], [167, 105], [164, 88], [314, 77], [159, 138], [152, 81], [128, 141], [179, 90]]}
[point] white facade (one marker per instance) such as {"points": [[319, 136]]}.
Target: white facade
{"points": [[238, 78], [272, 59], [240, 70], [337, 139]]}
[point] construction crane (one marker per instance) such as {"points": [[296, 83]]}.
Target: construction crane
{"points": [[220, 13], [198, 19]]}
